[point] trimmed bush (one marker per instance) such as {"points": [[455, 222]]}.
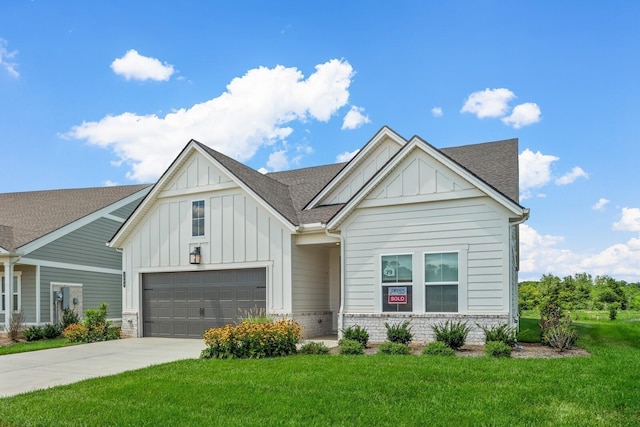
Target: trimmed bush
{"points": [[314, 348], [497, 349], [356, 333], [95, 327], [348, 346], [76, 333], [252, 340], [52, 331], [389, 347], [453, 334], [399, 332], [438, 348], [503, 333], [33, 333]]}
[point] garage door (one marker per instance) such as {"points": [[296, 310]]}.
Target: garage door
{"points": [[185, 304]]}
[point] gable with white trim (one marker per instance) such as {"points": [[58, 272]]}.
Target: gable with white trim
{"points": [[386, 149]]}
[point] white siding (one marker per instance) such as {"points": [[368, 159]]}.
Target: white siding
{"points": [[478, 227], [311, 291], [239, 233], [362, 173]]}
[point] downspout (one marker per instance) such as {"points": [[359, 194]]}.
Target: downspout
{"points": [[341, 309], [525, 216]]}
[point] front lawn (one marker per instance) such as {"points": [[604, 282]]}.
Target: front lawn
{"points": [[600, 390], [22, 347]]}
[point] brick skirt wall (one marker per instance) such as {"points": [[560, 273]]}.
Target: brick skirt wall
{"points": [[421, 324]]}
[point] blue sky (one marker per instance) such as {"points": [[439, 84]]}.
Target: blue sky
{"points": [[108, 92]]}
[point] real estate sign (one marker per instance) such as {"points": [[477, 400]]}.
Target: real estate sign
{"points": [[397, 295]]}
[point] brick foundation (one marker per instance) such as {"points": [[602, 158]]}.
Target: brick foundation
{"points": [[421, 324]]}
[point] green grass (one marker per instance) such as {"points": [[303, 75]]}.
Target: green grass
{"points": [[600, 390], [22, 347]]}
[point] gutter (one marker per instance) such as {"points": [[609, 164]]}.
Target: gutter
{"points": [[342, 249]]}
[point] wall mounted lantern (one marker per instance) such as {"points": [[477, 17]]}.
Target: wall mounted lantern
{"points": [[194, 257]]}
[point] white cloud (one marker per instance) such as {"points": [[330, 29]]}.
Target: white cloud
{"points": [[436, 112], [571, 176], [346, 156], [5, 59], [355, 118], [535, 171], [523, 115], [109, 183], [252, 113], [137, 67], [263, 171], [488, 103], [629, 220], [540, 254], [600, 204], [278, 160]]}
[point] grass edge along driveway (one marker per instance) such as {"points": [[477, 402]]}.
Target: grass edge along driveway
{"points": [[360, 390]]}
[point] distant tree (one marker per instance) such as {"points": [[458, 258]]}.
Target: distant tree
{"points": [[528, 295]]}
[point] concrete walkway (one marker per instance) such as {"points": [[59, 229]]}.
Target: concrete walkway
{"points": [[24, 372]]}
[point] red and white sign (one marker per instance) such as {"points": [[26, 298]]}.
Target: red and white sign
{"points": [[397, 295]]}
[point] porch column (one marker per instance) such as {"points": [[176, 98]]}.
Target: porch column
{"points": [[8, 293]]}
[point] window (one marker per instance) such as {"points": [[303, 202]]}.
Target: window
{"points": [[197, 218], [15, 292], [397, 280], [441, 282]]}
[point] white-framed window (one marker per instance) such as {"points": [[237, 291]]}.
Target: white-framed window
{"points": [[396, 273], [197, 218], [442, 280], [15, 293]]}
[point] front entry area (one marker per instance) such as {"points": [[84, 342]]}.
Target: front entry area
{"points": [[185, 304]]}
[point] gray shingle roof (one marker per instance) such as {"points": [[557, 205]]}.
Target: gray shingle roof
{"points": [[288, 192], [27, 216]]}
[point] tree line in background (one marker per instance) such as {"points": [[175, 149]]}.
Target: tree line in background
{"points": [[579, 292]]}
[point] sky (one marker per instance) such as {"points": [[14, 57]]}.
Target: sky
{"points": [[108, 93]]}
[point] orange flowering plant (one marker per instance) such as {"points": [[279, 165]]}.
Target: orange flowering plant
{"points": [[251, 340]]}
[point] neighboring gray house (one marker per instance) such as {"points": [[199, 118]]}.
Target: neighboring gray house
{"points": [[402, 231], [55, 241]]}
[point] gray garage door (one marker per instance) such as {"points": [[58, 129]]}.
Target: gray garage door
{"points": [[184, 305]]}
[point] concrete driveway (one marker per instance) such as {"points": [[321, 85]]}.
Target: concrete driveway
{"points": [[24, 372]]}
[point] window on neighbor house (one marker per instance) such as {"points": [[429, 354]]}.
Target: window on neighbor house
{"points": [[397, 283], [197, 218], [15, 293], [441, 282]]}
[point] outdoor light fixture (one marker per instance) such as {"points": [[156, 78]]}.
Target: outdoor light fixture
{"points": [[194, 257]]}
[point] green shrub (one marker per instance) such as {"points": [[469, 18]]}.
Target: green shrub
{"points": [[389, 347], [613, 310], [33, 333], [52, 331], [69, 317], [550, 316], [399, 332], [497, 349], [96, 317], [314, 348], [356, 333], [438, 348], [252, 340], [95, 327], [503, 333], [453, 334], [350, 347], [561, 337]]}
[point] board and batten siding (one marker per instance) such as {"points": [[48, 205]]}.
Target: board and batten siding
{"points": [[311, 284], [376, 160], [478, 225], [239, 233]]}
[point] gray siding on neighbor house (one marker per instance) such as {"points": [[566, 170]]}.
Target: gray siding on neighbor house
{"points": [[28, 292], [125, 211], [96, 289], [82, 246]]}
